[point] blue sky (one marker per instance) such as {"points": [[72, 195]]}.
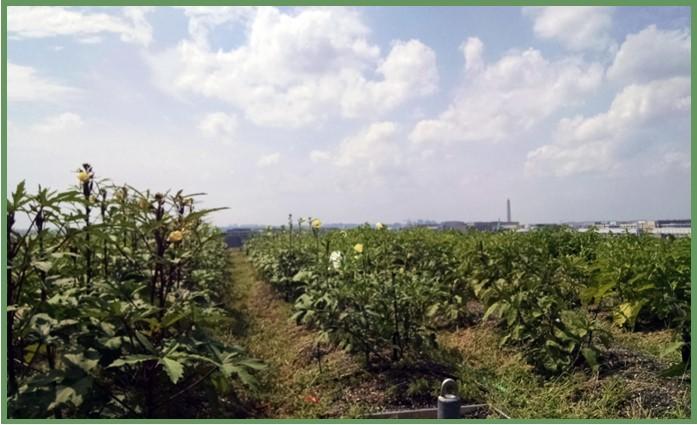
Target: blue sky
{"points": [[361, 114]]}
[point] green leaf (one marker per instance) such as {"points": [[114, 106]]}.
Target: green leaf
{"points": [[145, 342], [432, 310], [253, 364], [678, 369], [132, 359], [18, 194], [171, 319], [79, 360], [671, 348], [174, 369], [62, 397], [44, 266], [113, 343], [591, 357], [627, 313], [244, 376], [491, 311]]}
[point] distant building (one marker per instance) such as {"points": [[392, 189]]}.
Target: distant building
{"points": [[536, 226], [617, 230], [454, 225], [672, 231], [482, 226], [509, 225], [674, 223], [235, 238], [677, 228], [659, 228], [646, 226]]}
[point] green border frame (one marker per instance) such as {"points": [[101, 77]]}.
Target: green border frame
{"points": [[3, 217]]}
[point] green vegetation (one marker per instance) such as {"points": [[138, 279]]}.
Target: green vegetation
{"points": [[113, 303], [386, 293], [127, 304]]}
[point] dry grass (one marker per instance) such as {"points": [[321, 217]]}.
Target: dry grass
{"points": [[629, 387]]}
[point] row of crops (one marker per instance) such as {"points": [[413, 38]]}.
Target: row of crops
{"points": [[114, 303], [383, 294]]}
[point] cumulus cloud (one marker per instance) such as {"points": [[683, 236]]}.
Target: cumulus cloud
{"points": [[365, 159], [66, 121], [370, 149], [219, 125], [575, 27], [473, 50], [268, 160], [204, 18], [373, 147], [24, 84], [652, 54], [511, 95], [599, 143], [51, 21], [298, 68]]}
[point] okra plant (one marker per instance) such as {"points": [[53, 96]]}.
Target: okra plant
{"points": [[113, 302]]}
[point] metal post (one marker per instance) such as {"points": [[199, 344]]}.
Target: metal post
{"points": [[448, 400]]}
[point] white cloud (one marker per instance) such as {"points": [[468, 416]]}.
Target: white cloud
{"points": [[219, 125], [369, 149], [372, 148], [268, 160], [203, 18], [25, 85], [669, 162], [364, 160], [66, 121], [600, 143], [298, 68], [652, 54], [319, 156], [575, 27], [507, 97], [51, 21], [677, 159], [473, 49]]}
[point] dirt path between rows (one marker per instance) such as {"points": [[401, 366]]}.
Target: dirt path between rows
{"points": [[292, 386]]}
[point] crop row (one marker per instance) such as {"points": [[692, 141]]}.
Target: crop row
{"points": [[385, 293], [113, 302]]}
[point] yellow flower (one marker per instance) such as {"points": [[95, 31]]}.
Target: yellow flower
{"points": [[175, 236], [358, 248], [83, 176], [316, 224], [379, 226]]}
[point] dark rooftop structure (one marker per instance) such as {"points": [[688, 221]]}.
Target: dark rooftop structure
{"points": [[674, 223], [235, 238]]}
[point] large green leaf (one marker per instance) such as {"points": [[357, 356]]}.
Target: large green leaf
{"points": [[591, 357], [174, 369], [627, 313], [132, 359]]}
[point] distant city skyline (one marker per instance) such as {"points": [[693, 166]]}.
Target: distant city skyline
{"points": [[420, 221], [361, 114]]}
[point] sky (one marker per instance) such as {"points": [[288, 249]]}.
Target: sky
{"points": [[361, 114]]}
